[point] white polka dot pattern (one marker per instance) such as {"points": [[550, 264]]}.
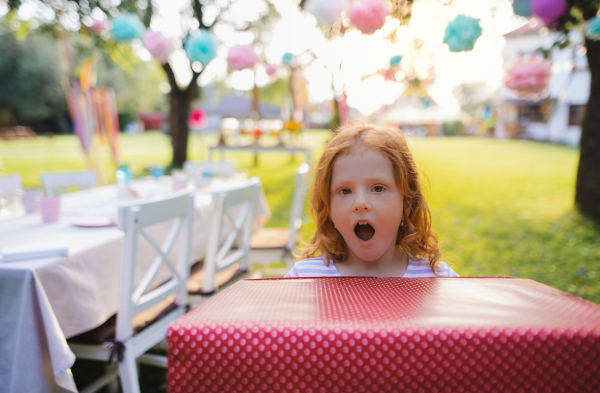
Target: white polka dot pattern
{"points": [[387, 334]]}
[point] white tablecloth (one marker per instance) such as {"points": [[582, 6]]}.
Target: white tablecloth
{"points": [[73, 294]]}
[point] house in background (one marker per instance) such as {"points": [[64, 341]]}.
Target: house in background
{"points": [[557, 115]]}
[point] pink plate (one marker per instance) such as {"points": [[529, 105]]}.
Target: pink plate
{"points": [[93, 222]]}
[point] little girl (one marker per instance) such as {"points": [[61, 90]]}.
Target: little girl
{"points": [[371, 216]]}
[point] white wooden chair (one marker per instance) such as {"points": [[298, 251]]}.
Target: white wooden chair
{"points": [[11, 184], [234, 208], [276, 244], [63, 182], [144, 311], [217, 168]]}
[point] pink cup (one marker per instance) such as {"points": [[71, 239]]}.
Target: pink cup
{"points": [[49, 208]]}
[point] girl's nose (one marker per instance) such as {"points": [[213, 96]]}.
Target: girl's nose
{"points": [[361, 204]]}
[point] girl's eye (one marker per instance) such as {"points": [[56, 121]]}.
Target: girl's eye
{"points": [[378, 188], [345, 191]]}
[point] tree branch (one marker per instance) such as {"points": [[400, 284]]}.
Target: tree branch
{"points": [[198, 8], [194, 82], [170, 76]]}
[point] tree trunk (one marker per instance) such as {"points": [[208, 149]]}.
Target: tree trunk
{"points": [[587, 190], [181, 102]]}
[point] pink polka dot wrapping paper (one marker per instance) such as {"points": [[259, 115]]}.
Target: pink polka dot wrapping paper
{"points": [[365, 334]]}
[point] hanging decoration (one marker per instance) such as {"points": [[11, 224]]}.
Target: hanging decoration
{"points": [[127, 27], [94, 116], [270, 69], [287, 58], [461, 33], [201, 47], [368, 16], [99, 26], [592, 31], [197, 119], [528, 77], [158, 45], [241, 57], [549, 10], [395, 60], [522, 8], [326, 12]]}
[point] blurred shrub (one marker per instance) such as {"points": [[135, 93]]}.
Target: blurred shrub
{"points": [[454, 128]]}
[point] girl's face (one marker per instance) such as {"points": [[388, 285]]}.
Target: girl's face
{"points": [[366, 204]]}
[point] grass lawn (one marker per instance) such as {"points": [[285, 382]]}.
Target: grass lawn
{"points": [[500, 208]]}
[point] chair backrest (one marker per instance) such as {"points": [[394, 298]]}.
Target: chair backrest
{"points": [[233, 219], [134, 220], [63, 182], [295, 222], [217, 168], [11, 184]]}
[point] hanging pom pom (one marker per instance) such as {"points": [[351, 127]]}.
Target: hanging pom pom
{"points": [[549, 10], [158, 45], [528, 77], [326, 12], [592, 31], [522, 7], [270, 69], [127, 27], [99, 26], [395, 60], [201, 47], [287, 58], [462, 33], [241, 57], [368, 16]]}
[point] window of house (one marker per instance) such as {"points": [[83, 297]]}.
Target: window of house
{"points": [[531, 113], [576, 113]]}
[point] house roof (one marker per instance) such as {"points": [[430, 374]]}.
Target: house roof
{"points": [[531, 27]]}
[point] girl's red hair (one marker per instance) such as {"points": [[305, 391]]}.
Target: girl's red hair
{"points": [[415, 236]]}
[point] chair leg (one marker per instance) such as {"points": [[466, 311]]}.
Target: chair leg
{"points": [[129, 375]]}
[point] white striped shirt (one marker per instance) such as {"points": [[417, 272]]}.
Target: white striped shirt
{"points": [[316, 267]]}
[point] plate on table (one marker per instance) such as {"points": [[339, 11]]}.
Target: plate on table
{"points": [[94, 222]]}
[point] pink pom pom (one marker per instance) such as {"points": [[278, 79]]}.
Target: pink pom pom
{"points": [[158, 45], [549, 10], [241, 57], [368, 16], [528, 76], [271, 69], [99, 26]]}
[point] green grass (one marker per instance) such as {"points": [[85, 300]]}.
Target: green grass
{"points": [[500, 208]]}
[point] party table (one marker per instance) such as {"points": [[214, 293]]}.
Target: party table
{"points": [[45, 300], [365, 334], [256, 149]]}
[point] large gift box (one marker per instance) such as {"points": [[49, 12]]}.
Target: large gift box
{"points": [[365, 334]]}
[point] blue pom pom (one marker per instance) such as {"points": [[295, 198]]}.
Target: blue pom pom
{"points": [[395, 60], [287, 58], [202, 48], [522, 8], [462, 33], [127, 27], [592, 31]]}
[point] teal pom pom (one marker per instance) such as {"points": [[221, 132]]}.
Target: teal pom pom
{"points": [[592, 31], [126, 27], [462, 33], [287, 58], [201, 47], [522, 8], [395, 60]]}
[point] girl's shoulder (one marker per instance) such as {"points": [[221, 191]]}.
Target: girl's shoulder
{"points": [[313, 267], [420, 267]]}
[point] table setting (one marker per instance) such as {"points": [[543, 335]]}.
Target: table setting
{"points": [[63, 273]]}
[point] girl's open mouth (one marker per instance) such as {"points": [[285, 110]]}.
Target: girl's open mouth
{"points": [[364, 231]]}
